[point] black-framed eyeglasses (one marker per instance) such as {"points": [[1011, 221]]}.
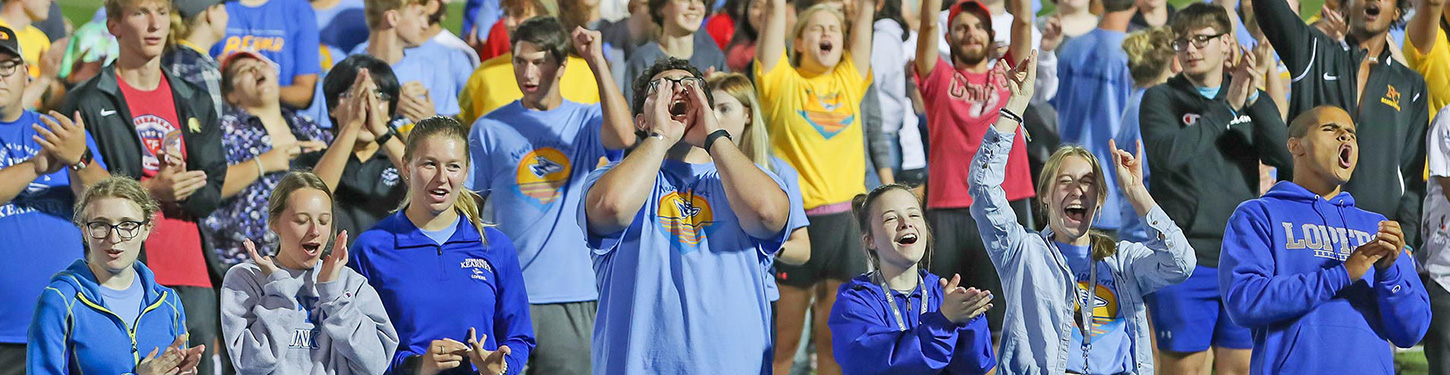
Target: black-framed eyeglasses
{"points": [[9, 67], [685, 81], [376, 92], [126, 229], [1198, 41]]}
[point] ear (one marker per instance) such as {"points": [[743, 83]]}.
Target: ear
{"points": [[391, 18], [640, 124], [866, 242], [1295, 148]]}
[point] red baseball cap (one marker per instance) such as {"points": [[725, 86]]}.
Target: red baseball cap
{"points": [[232, 57], [973, 6]]}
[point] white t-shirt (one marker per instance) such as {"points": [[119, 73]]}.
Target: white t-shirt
{"points": [[1435, 257]]}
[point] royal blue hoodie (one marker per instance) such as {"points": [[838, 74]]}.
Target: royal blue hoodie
{"points": [[1282, 275], [74, 332], [867, 340], [434, 291]]}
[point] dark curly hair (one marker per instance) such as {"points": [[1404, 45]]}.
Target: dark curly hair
{"points": [[664, 64]]}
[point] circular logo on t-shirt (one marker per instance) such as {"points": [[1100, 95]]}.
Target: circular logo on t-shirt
{"points": [[390, 177], [540, 175], [157, 135]]}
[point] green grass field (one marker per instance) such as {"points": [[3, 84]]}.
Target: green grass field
{"points": [[80, 11]]}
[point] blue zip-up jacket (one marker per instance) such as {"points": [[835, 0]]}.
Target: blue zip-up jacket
{"points": [[867, 340], [1040, 289], [74, 331], [432, 291], [1282, 275]]}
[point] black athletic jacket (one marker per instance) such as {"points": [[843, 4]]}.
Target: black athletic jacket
{"points": [[108, 120], [1391, 120], [1205, 157]]}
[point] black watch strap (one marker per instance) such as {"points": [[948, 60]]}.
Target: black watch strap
{"points": [[392, 133], [717, 134], [86, 160]]}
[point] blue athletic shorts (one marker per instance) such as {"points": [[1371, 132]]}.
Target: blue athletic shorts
{"points": [[1189, 317]]}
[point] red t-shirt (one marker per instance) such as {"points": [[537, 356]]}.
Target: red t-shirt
{"points": [[174, 249], [497, 43], [721, 27], [961, 106]]}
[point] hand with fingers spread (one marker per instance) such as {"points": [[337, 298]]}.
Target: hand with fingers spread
{"points": [[959, 304], [1332, 23], [62, 138], [334, 262], [659, 120], [190, 358], [265, 263], [487, 362], [442, 355]]}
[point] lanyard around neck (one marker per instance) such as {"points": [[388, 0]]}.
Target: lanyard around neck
{"points": [[896, 312], [1085, 311]]}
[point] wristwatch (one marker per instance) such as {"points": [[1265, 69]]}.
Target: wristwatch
{"points": [[392, 132], [85, 160]]}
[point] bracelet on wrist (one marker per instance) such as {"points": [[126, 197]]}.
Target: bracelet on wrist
{"points": [[258, 161]]}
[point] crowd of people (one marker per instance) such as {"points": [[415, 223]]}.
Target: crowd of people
{"points": [[724, 187]]}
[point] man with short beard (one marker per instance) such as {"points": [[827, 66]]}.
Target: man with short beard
{"points": [[965, 97], [1359, 75]]}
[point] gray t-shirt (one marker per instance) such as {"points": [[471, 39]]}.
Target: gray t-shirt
{"points": [[707, 55]]}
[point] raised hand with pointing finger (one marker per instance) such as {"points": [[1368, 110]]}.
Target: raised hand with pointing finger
{"points": [[487, 362]]}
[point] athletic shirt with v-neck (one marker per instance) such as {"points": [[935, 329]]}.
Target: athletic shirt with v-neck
{"points": [[173, 250], [1111, 349]]}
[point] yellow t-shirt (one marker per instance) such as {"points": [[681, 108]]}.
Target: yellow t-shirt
{"points": [[33, 43], [815, 125], [1435, 66], [492, 85]]}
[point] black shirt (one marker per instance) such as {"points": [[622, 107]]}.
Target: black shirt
{"points": [[368, 191]]}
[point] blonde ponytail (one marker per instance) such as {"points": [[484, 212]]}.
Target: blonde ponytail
{"points": [[469, 203]]}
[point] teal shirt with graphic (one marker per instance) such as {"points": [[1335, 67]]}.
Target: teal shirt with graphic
{"points": [[1111, 349], [532, 165]]}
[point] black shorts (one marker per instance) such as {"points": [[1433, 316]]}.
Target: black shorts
{"points": [[958, 250], [836, 252]]}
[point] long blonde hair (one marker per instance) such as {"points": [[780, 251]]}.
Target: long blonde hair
{"points": [[469, 203], [1102, 245], [754, 141]]}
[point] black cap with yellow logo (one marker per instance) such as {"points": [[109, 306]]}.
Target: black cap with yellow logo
{"points": [[9, 43]]}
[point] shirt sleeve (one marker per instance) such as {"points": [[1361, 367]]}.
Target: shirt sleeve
{"points": [[511, 319], [603, 244], [257, 320], [769, 246], [480, 174], [307, 43], [1438, 146], [866, 342], [353, 316]]}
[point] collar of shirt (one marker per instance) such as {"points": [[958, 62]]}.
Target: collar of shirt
{"points": [[409, 235]]}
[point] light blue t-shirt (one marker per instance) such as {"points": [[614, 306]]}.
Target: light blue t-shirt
{"points": [[282, 30], [422, 65], [1093, 88], [442, 235], [37, 237], [532, 165], [342, 26], [1111, 349], [682, 289], [1133, 228], [125, 303], [454, 62], [798, 218]]}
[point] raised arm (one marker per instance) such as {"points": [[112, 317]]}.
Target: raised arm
{"points": [[1166, 260], [351, 119], [757, 199], [770, 45], [612, 202], [996, 221], [860, 42], [1022, 19], [1421, 28], [1291, 38], [926, 48], [618, 132]]}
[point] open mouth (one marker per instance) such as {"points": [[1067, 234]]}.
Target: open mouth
{"points": [[438, 194], [312, 248], [1372, 10], [530, 87], [1075, 212], [1346, 158], [907, 239], [678, 109], [826, 46]]}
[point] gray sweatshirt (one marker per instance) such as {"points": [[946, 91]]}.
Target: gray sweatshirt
{"points": [[287, 323]]}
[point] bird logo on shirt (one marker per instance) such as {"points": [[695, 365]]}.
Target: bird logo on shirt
{"points": [[541, 175], [827, 113], [1105, 308], [686, 218]]}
